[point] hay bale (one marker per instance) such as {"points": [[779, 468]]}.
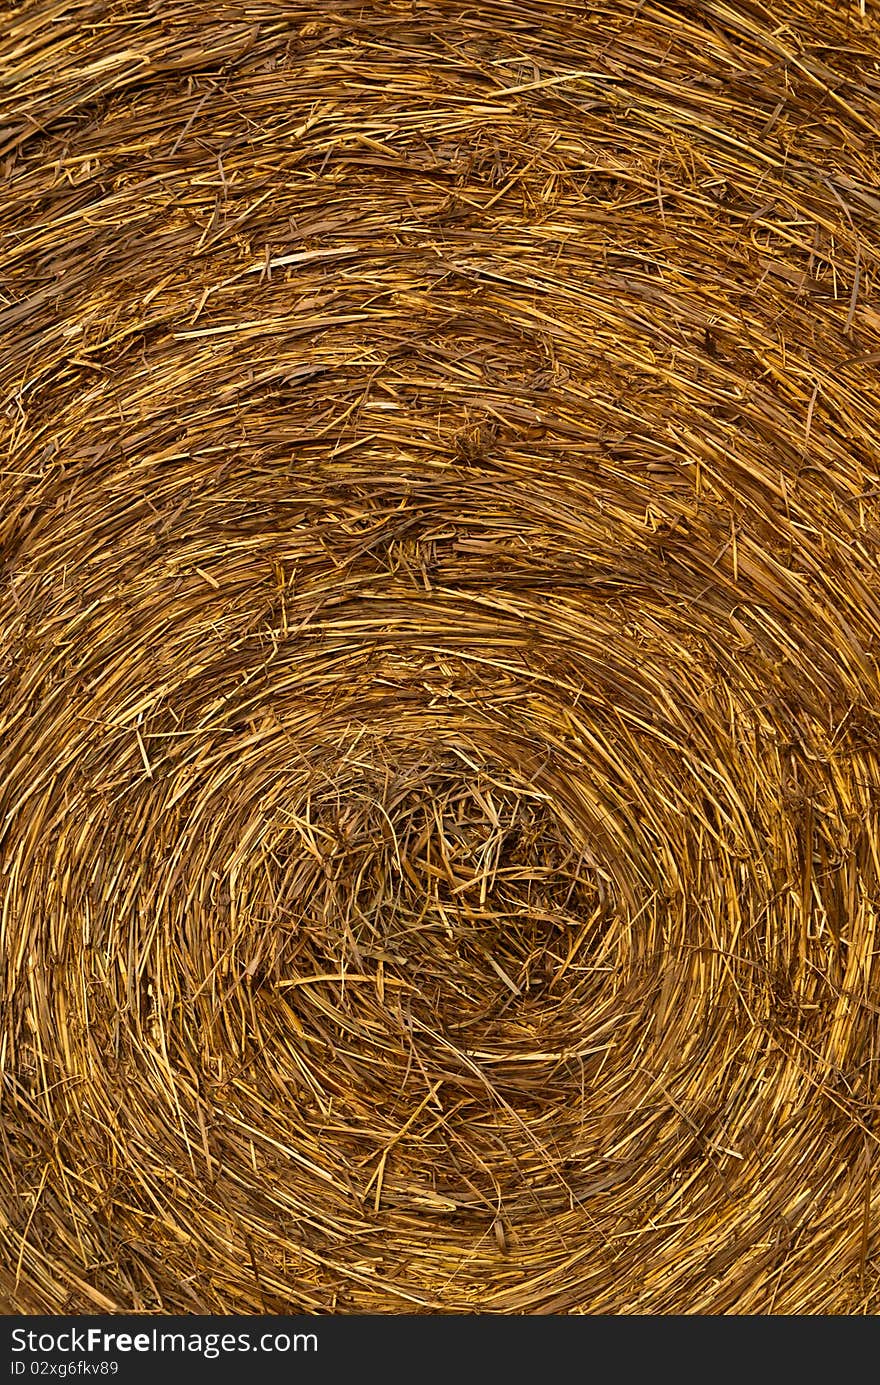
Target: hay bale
{"points": [[439, 628]]}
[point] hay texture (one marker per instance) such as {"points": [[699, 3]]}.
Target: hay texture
{"points": [[439, 633]]}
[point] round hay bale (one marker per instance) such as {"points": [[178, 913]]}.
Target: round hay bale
{"points": [[439, 629]]}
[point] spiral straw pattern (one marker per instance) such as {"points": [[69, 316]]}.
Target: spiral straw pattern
{"points": [[439, 630]]}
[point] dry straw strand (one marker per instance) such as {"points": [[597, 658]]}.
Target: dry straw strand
{"points": [[439, 631]]}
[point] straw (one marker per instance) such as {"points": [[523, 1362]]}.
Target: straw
{"points": [[439, 622]]}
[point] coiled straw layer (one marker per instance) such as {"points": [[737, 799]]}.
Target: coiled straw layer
{"points": [[439, 627]]}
